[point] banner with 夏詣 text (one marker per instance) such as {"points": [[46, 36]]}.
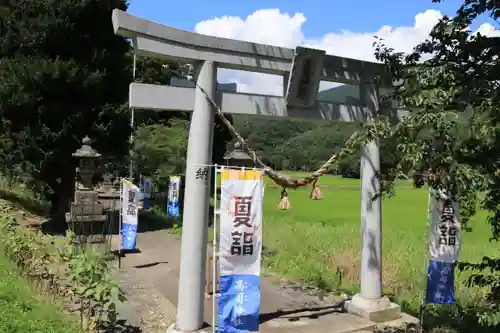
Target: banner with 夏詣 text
{"points": [[129, 200], [242, 192], [174, 186], [444, 250]]}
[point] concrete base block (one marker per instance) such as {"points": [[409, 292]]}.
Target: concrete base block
{"points": [[376, 310], [173, 329]]}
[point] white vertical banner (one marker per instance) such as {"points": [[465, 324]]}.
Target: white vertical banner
{"points": [[129, 201], [444, 248], [242, 193]]}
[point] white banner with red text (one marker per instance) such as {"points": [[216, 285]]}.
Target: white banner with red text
{"points": [[242, 193]]}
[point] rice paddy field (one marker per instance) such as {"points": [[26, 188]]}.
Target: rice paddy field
{"points": [[318, 242]]}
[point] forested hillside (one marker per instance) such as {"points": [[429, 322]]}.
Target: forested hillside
{"points": [[294, 144], [283, 143]]}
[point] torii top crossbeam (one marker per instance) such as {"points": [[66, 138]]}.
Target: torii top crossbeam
{"points": [[159, 41]]}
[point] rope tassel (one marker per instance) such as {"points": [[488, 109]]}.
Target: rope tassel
{"points": [[315, 192], [284, 202]]}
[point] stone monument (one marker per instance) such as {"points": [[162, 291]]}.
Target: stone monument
{"points": [[86, 213]]}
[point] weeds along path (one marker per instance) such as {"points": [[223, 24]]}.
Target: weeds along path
{"points": [[24, 308], [139, 311]]}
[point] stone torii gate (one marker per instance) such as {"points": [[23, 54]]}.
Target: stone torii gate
{"points": [[302, 69]]}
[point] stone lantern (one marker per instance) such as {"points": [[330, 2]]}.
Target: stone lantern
{"points": [[86, 210], [238, 158], [87, 163]]}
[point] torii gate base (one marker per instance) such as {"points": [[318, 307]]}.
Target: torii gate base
{"points": [[302, 69], [377, 310]]}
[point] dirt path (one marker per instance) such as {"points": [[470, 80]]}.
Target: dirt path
{"points": [[285, 307], [149, 279], [144, 310]]}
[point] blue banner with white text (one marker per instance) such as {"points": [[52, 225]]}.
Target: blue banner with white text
{"points": [[129, 236], [440, 283], [239, 304]]}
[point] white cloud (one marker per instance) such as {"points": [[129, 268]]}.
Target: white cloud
{"points": [[271, 26], [267, 26], [488, 30]]}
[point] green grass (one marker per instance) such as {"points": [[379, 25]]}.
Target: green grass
{"points": [[332, 181], [22, 310], [318, 242], [327, 181]]}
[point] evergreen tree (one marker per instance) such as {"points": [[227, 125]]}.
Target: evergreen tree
{"points": [[64, 74]]}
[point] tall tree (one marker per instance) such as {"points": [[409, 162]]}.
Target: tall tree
{"points": [[64, 74], [450, 85], [160, 150]]}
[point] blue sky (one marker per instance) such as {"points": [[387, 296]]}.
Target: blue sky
{"points": [[325, 27], [323, 16]]}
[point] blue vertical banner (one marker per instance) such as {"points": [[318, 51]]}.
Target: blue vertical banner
{"points": [[147, 191], [174, 186], [129, 200], [240, 250], [444, 249]]}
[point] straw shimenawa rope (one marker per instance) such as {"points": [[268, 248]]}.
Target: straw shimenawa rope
{"points": [[280, 179]]}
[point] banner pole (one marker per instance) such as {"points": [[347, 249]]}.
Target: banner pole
{"points": [[214, 252], [120, 225], [426, 263], [131, 139]]}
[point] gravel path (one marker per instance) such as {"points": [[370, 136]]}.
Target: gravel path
{"points": [[143, 309]]}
